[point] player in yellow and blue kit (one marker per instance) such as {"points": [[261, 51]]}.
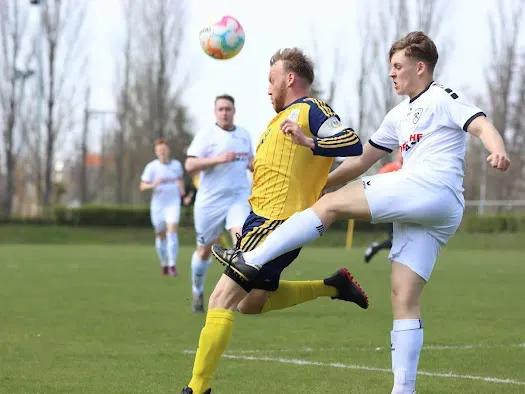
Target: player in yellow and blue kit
{"points": [[287, 178]]}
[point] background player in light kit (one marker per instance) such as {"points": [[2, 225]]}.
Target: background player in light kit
{"points": [[424, 199], [165, 177], [221, 154]]}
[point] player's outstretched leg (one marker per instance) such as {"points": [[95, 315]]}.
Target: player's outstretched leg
{"points": [[339, 286]]}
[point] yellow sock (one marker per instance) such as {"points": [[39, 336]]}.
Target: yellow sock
{"points": [[214, 339], [292, 293]]}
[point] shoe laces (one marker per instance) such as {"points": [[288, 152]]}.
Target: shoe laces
{"points": [[238, 243]]}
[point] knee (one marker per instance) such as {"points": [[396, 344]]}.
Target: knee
{"points": [[249, 308], [404, 302], [161, 236], [223, 299]]}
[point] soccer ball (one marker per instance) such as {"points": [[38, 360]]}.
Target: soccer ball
{"points": [[223, 38]]}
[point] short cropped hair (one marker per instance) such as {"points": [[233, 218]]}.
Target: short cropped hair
{"points": [[225, 97], [295, 61], [418, 46], [161, 141]]}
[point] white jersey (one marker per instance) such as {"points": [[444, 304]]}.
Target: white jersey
{"points": [[168, 192], [431, 130], [222, 180]]}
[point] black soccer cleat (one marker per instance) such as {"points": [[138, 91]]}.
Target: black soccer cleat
{"points": [[371, 251], [347, 288], [189, 390], [232, 257]]}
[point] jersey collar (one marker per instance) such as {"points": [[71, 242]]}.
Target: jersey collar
{"points": [[228, 131], [295, 102], [420, 93]]}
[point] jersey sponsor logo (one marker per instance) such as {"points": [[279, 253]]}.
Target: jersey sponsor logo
{"points": [[266, 135], [413, 140], [417, 115]]}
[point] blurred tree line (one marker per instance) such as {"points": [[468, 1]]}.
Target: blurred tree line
{"points": [[45, 96]]}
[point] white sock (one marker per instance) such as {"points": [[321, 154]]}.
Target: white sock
{"points": [[160, 245], [407, 341], [299, 229], [173, 248], [198, 273]]}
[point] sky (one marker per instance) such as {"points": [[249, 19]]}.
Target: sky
{"points": [[270, 25]]}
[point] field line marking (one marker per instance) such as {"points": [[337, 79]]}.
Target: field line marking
{"points": [[372, 349], [295, 361]]}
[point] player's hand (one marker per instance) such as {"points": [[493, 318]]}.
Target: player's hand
{"points": [[289, 127], [500, 161], [187, 200], [226, 157], [156, 183]]}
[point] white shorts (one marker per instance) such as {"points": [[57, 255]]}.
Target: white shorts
{"points": [[210, 220], [163, 215], [424, 217]]}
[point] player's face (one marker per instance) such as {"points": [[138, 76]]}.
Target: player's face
{"points": [[277, 86], [404, 73], [162, 152], [224, 111]]}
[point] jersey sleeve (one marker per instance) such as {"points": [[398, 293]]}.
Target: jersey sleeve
{"points": [[198, 146], [331, 137], [179, 171], [460, 112], [385, 138], [147, 174]]}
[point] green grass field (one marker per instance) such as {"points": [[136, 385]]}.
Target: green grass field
{"points": [[100, 319]]}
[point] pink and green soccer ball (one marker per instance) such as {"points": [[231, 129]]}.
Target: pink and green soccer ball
{"points": [[223, 38]]}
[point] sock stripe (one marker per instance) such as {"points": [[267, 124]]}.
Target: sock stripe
{"points": [[321, 229], [260, 233]]}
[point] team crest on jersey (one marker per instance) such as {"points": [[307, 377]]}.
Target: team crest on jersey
{"points": [[417, 115], [335, 123], [294, 115]]}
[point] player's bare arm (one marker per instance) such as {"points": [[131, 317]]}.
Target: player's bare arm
{"points": [[182, 188], [356, 166], [344, 143], [491, 138], [196, 164], [149, 185]]}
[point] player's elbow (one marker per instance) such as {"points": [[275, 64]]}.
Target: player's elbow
{"points": [[189, 166]]}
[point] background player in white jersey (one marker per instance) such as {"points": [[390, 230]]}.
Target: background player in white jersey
{"points": [[164, 176], [222, 154], [424, 199]]}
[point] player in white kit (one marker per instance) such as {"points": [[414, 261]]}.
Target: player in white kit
{"points": [[222, 154], [164, 177], [424, 199]]}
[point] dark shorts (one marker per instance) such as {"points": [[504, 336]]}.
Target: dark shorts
{"points": [[254, 232]]}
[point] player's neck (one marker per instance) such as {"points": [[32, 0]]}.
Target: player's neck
{"points": [[166, 161], [226, 127], [421, 87], [293, 97]]}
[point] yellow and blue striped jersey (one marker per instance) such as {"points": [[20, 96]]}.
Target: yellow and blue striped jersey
{"points": [[289, 178]]}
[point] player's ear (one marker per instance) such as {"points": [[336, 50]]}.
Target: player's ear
{"points": [[421, 67], [290, 79]]}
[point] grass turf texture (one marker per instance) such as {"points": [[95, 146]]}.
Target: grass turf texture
{"points": [[100, 319]]}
